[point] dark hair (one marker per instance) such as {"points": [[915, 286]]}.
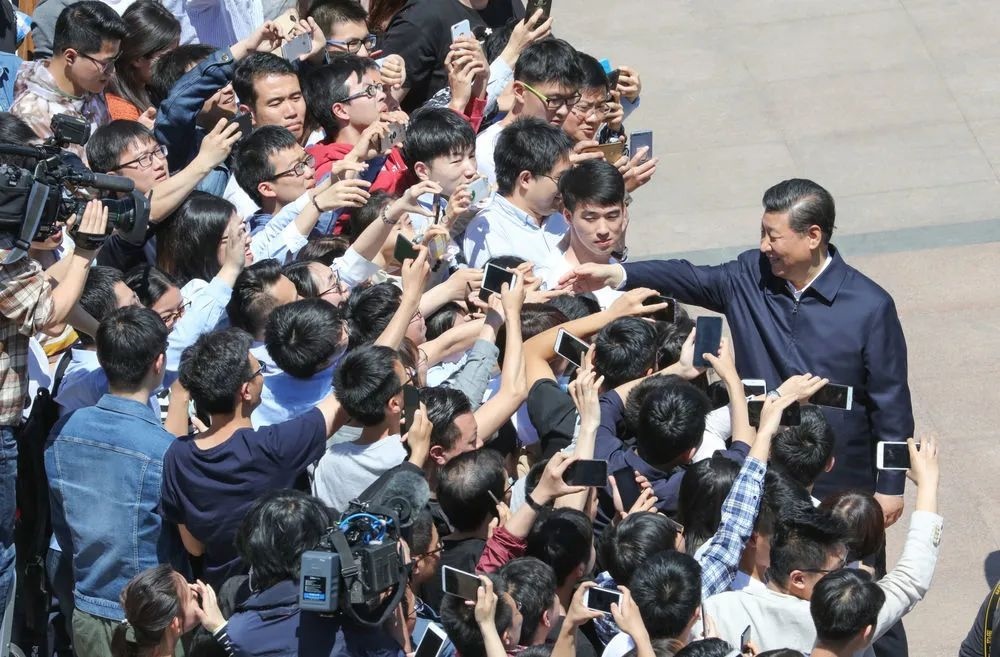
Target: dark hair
{"points": [[562, 538], [541, 650], [625, 546], [303, 336], [803, 451], [549, 61], [667, 590], [843, 604], [443, 406], [443, 319], [863, 519], [420, 532], [277, 529], [670, 420], [804, 541], [172, 66], [365, 382], [711, 647], [328, 13], [190, 245], [436, 132], [369, 212], [151, 602], [13, 130], [782, 497], [532, 584], [625, 350], [253, 160], [328, 84], [528, 144], [535, 318], [151, 29], [108, 142], [369, 311], [780, 652], [672, 338], [324, 249], [463, 484], [129, 340], [459, 620], [84, 26], [215, 367], [98, 296], [252, 302], [594, 76], [592, 182], [806, 203], [254, 66], [575, 306], [149, 283], [300, 276], [380, 12], [704, 488]]}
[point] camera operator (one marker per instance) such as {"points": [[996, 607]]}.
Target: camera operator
{"points": [[30, 301]]}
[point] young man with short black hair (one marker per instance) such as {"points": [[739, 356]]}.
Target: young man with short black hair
{"points": [[805, 452], [267, 86], [85, 46], [845, 607]]}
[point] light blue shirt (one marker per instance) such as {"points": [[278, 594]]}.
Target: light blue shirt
{"points": [[503, 229], [285, 396]]}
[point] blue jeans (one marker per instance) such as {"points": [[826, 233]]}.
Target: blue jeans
{"points": [[8, 505]]}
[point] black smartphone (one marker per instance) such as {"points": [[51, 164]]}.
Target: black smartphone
{"points": [[494, 277], [601, 600], [411, 404], [587, 472], [790, 417], [535, 5], [745, 638], [638, 140], [708, 336], [613, 78], [668, 314], [404, 250], [458, 582], [571, 347], [245, 121], [834, 396], [628, 489], [437, 208]]}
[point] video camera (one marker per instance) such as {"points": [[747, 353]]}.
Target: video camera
{"points": [[32, 203]]}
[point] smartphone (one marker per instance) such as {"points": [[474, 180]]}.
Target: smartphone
{"points": [[296, 46], [287, 23], [535, 5], [613, 78], [479, 189], [790, 417], [411, 404], [571, 347], [628, 489], [834, 396], [600, 599], [587, 472], [404, 249], [612, 151], [461, 29], [754, 387], [745, 638], [708, 336], [393, 137], [436, 208], [245, 121], [458, 582], [892, 456], [641, 139], [667, 314], [432, 642], [494, 277]]}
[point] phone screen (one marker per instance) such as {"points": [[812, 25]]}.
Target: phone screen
{"points": [[895, 456], [404, 249], [707, 338], [790, 417], [587, 473], [494, 277], [411, 404], [834, 396], [639, 140], [601, 599], [458, 582], [668, 314], [571, 347], [628, 490], [754, 387], [430, 643], [245, 121]]}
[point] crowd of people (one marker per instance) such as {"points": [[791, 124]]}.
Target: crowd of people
{"points": [[307, 323]]}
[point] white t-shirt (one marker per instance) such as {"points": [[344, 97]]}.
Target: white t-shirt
{"points": [[347, 469], [486, 143]]}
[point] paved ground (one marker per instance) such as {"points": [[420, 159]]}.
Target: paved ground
{"points": [[894, 106]]}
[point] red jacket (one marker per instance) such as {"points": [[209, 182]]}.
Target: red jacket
{"points": [[394, 177]]}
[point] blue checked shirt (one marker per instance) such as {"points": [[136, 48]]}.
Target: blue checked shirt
{"points": [[719, 558]]}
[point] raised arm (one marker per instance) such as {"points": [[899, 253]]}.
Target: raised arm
{"points": [[513, 387]]}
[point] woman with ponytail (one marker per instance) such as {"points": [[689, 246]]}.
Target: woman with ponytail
{"points": [[160, 606]]}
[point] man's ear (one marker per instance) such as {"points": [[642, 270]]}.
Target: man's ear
{"points": [[796, 581], [395, 404], [422, 170], [832, 461], [517, 88], [243, 108], [339, 111], [690, 454], [815, 234], [524, 179], [70, 55], [437, 454], [245, 391], [160, 363], [266, 189], [547, 618]]}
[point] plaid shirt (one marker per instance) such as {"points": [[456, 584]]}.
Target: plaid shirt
{"points": [[26, 306]]}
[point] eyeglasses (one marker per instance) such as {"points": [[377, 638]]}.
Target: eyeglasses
{"points": [[369, 91], [259, 371], [334, 287], [145, 160], [177, 313], [417, 315], [553, 103], [103, 67], [353, 46], [439, 548], [298, 170], [555, 180], [599, 110], [824, 571]]}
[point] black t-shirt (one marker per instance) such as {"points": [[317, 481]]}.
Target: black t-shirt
{"points": [[462, 554], [421, 34], [553, 415]]}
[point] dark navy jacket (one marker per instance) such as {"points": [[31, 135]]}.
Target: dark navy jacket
{"points": [[844, 328]]}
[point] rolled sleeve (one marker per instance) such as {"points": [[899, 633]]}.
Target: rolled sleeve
{"points": [[354, 269]]}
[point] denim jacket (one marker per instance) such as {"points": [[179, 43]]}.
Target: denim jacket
{"points": [[105, 464]]}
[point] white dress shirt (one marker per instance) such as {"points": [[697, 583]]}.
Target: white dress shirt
{"points": [[503, 229]]}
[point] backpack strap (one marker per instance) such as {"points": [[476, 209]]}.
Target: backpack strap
{"points": [[989, 618]]}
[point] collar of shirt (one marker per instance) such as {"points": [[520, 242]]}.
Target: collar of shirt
{"points": [[260, 352], [131, 407], [85, 358], [822, 268], [517, 214]]}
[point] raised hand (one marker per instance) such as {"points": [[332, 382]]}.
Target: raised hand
{"points": [[351, 193], [218, 144]]}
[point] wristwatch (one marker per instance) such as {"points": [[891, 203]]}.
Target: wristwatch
{"points": [[773, 393]]}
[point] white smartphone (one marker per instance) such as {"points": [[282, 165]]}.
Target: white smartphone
{"points": [[494, 277], [892, 456], [571, 347], [834, 395], [297, 46], [432, 642], [479, 189], [600, 599], [460, 29], [393, 137], [458, 582], [754, 387]]}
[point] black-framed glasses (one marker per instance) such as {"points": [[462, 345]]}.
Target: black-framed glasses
{"points": [[555, 180], [368, 91], [103, 67], [176, 313], [145, 160], [298, 170], [824, 571], [553, 103], [261, 370], [439, 548], [353, 46], [335, 286]]}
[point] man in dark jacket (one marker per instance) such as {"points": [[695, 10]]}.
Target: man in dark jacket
{"points": [[794, 307]]}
